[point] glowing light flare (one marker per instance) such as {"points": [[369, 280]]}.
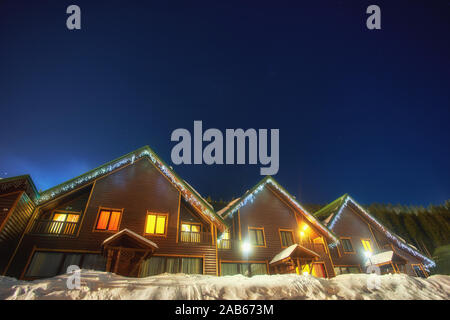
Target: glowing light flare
{"points": [[246, 247]]}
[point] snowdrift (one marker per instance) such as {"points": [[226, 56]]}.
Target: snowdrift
{"points": [[103, 285]]}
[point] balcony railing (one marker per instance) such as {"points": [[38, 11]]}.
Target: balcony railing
{"points": [[195, 237], [54, 228]]}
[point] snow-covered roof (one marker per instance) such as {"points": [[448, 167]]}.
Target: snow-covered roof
{"points": [[131, 234], [249, 196], [380, 258], [227, 206], [188, 193], [287, 252], [284, 253], [198, 194]]}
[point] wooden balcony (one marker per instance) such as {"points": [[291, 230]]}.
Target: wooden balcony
{"points": [[54, 228], [195, 237]]}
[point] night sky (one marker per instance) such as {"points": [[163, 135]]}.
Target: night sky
{"points": [[359, 111]]}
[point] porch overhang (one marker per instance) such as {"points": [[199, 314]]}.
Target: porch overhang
{"points": [[129, 239], [126, 251], [384, 258], [295, 251]]}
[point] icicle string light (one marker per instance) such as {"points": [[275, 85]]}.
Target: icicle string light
{"points": [[392, 237], [191, 196], [251, 196]]}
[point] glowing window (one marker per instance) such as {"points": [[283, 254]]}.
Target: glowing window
{"points": [[63, 223], [187, 227], [156, 223], [318, 270], [226, 235], [367, 245], [257, 236], [224, 242], [108, 220]]}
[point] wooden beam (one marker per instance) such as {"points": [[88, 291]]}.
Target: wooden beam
{"points": [[116, 265]]}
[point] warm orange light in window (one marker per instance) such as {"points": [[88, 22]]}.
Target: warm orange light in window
{"points": [[114, 221], [72, 218], [103, 220], [59, 217]]}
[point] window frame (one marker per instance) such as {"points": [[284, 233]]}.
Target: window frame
{"points": [[240, 266], [65, 212], [263, 233], [351, 244], [191, 224], [180, 262], [60, 232], [157, 214], [64, 253], [100, 209], [347, 266], [281, 238], [219, 241]]}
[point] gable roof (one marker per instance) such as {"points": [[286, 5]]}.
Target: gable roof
{"points": [[236, 204], [384, 257], [22, 182], [330, 209], [332, 212], [188, 192]]}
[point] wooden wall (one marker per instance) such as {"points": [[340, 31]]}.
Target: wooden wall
{"points": [[13, 225]]}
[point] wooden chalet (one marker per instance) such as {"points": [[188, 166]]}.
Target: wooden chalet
{"points": [[17, 202], [364, 242], [135, 216], [270, 232], [103, 219]]}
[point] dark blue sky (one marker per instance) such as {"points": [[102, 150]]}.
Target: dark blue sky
{"points": [[359, 111]]}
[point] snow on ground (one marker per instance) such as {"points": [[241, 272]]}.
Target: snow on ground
{"points": [[103, 285]]}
